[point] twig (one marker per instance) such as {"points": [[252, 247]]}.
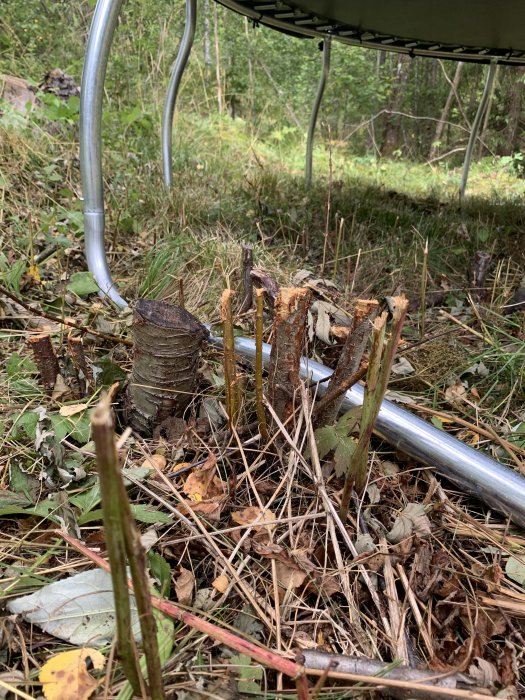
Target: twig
{"points": [[259, 402], [423, 292], [64, 321]]}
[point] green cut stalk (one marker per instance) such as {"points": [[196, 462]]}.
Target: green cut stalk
{"points": [[108, 471], [232, 389], [423, 292], [379, 367]]}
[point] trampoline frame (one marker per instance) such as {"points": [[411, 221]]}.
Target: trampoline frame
{"points": [[473, 471]]}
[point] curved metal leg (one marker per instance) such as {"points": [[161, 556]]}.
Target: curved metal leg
{"points": [[173, 88], [97, 52], [491, 72], [327, 46]]}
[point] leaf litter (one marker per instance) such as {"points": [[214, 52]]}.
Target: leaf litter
{"points": [[242, 533]]}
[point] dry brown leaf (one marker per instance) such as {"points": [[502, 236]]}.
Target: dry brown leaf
{"points": [[60, 389], [156, 461], [485, 673], [184, 584], [456, 393], [203, 483], [263, 517], [289, 577], [72, 410], [209, 509]]}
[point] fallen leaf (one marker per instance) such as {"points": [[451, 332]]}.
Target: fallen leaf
{"points": [[402, 367], [221, 583], [289, 577], [262, 517], [156, 461], [73, 409], [411, 520], [79, 609], [456, 393], [485, 673], [60, 389], [65, 676], [202, 483], [515, 570], [34, 273], [184, 584]]}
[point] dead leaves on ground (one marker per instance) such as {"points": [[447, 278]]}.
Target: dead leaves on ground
{"points": [[206, 491]]}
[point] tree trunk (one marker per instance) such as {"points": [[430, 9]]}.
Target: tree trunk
{"points": [[391, 132], [436, 142], [167, 341], [511, 140], [206, 35], [220, 97]]}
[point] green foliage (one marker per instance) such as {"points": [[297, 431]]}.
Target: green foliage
{"points": [[83, 284], [337, 439]]}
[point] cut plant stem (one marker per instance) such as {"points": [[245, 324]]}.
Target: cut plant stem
{"points": [[348, 363], [423, 292], [84, 375], [259, 401], [232, 389], [291, 307], [123, 541], [108, 471], [380, 364], [45, 360]]}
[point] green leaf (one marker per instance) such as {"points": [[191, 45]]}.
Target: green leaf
{"points": [[26, 422], [82, 284], [19, 482], [149, 514], [250, 675], [348, 421], [343, 454], [17, 366], [161, 572], [77, 427], [87, 500], [9, 499], [326, 440], [109, 372], [515, 570]]}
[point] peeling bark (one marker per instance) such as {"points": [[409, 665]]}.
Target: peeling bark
{"points": [[291, 308], [167, 341]]}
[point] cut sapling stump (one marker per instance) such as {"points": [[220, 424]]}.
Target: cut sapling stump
{"points": [[231, 384], [349, 362], [45, 360], [291, 308], [167, 344]]}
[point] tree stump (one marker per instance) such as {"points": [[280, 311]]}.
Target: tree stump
{"points": [[167, 344]]}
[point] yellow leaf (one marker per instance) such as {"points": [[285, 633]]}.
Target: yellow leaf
{"points": [[71, 410], [221, 583], [156, 461], [32, 271], [65, 676]]}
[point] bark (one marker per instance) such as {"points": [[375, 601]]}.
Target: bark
{"points": [[436, 142], [84, 375], [45, 360], [206, 37], [291, 308], [511, 140], [349, 361], [478, 276], [167, 341], [220, 97]]}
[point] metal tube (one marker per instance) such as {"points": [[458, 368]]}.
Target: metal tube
{"points": [[99, 43], [474, 472], [173, 88], [327, 47], [489, 79]]}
